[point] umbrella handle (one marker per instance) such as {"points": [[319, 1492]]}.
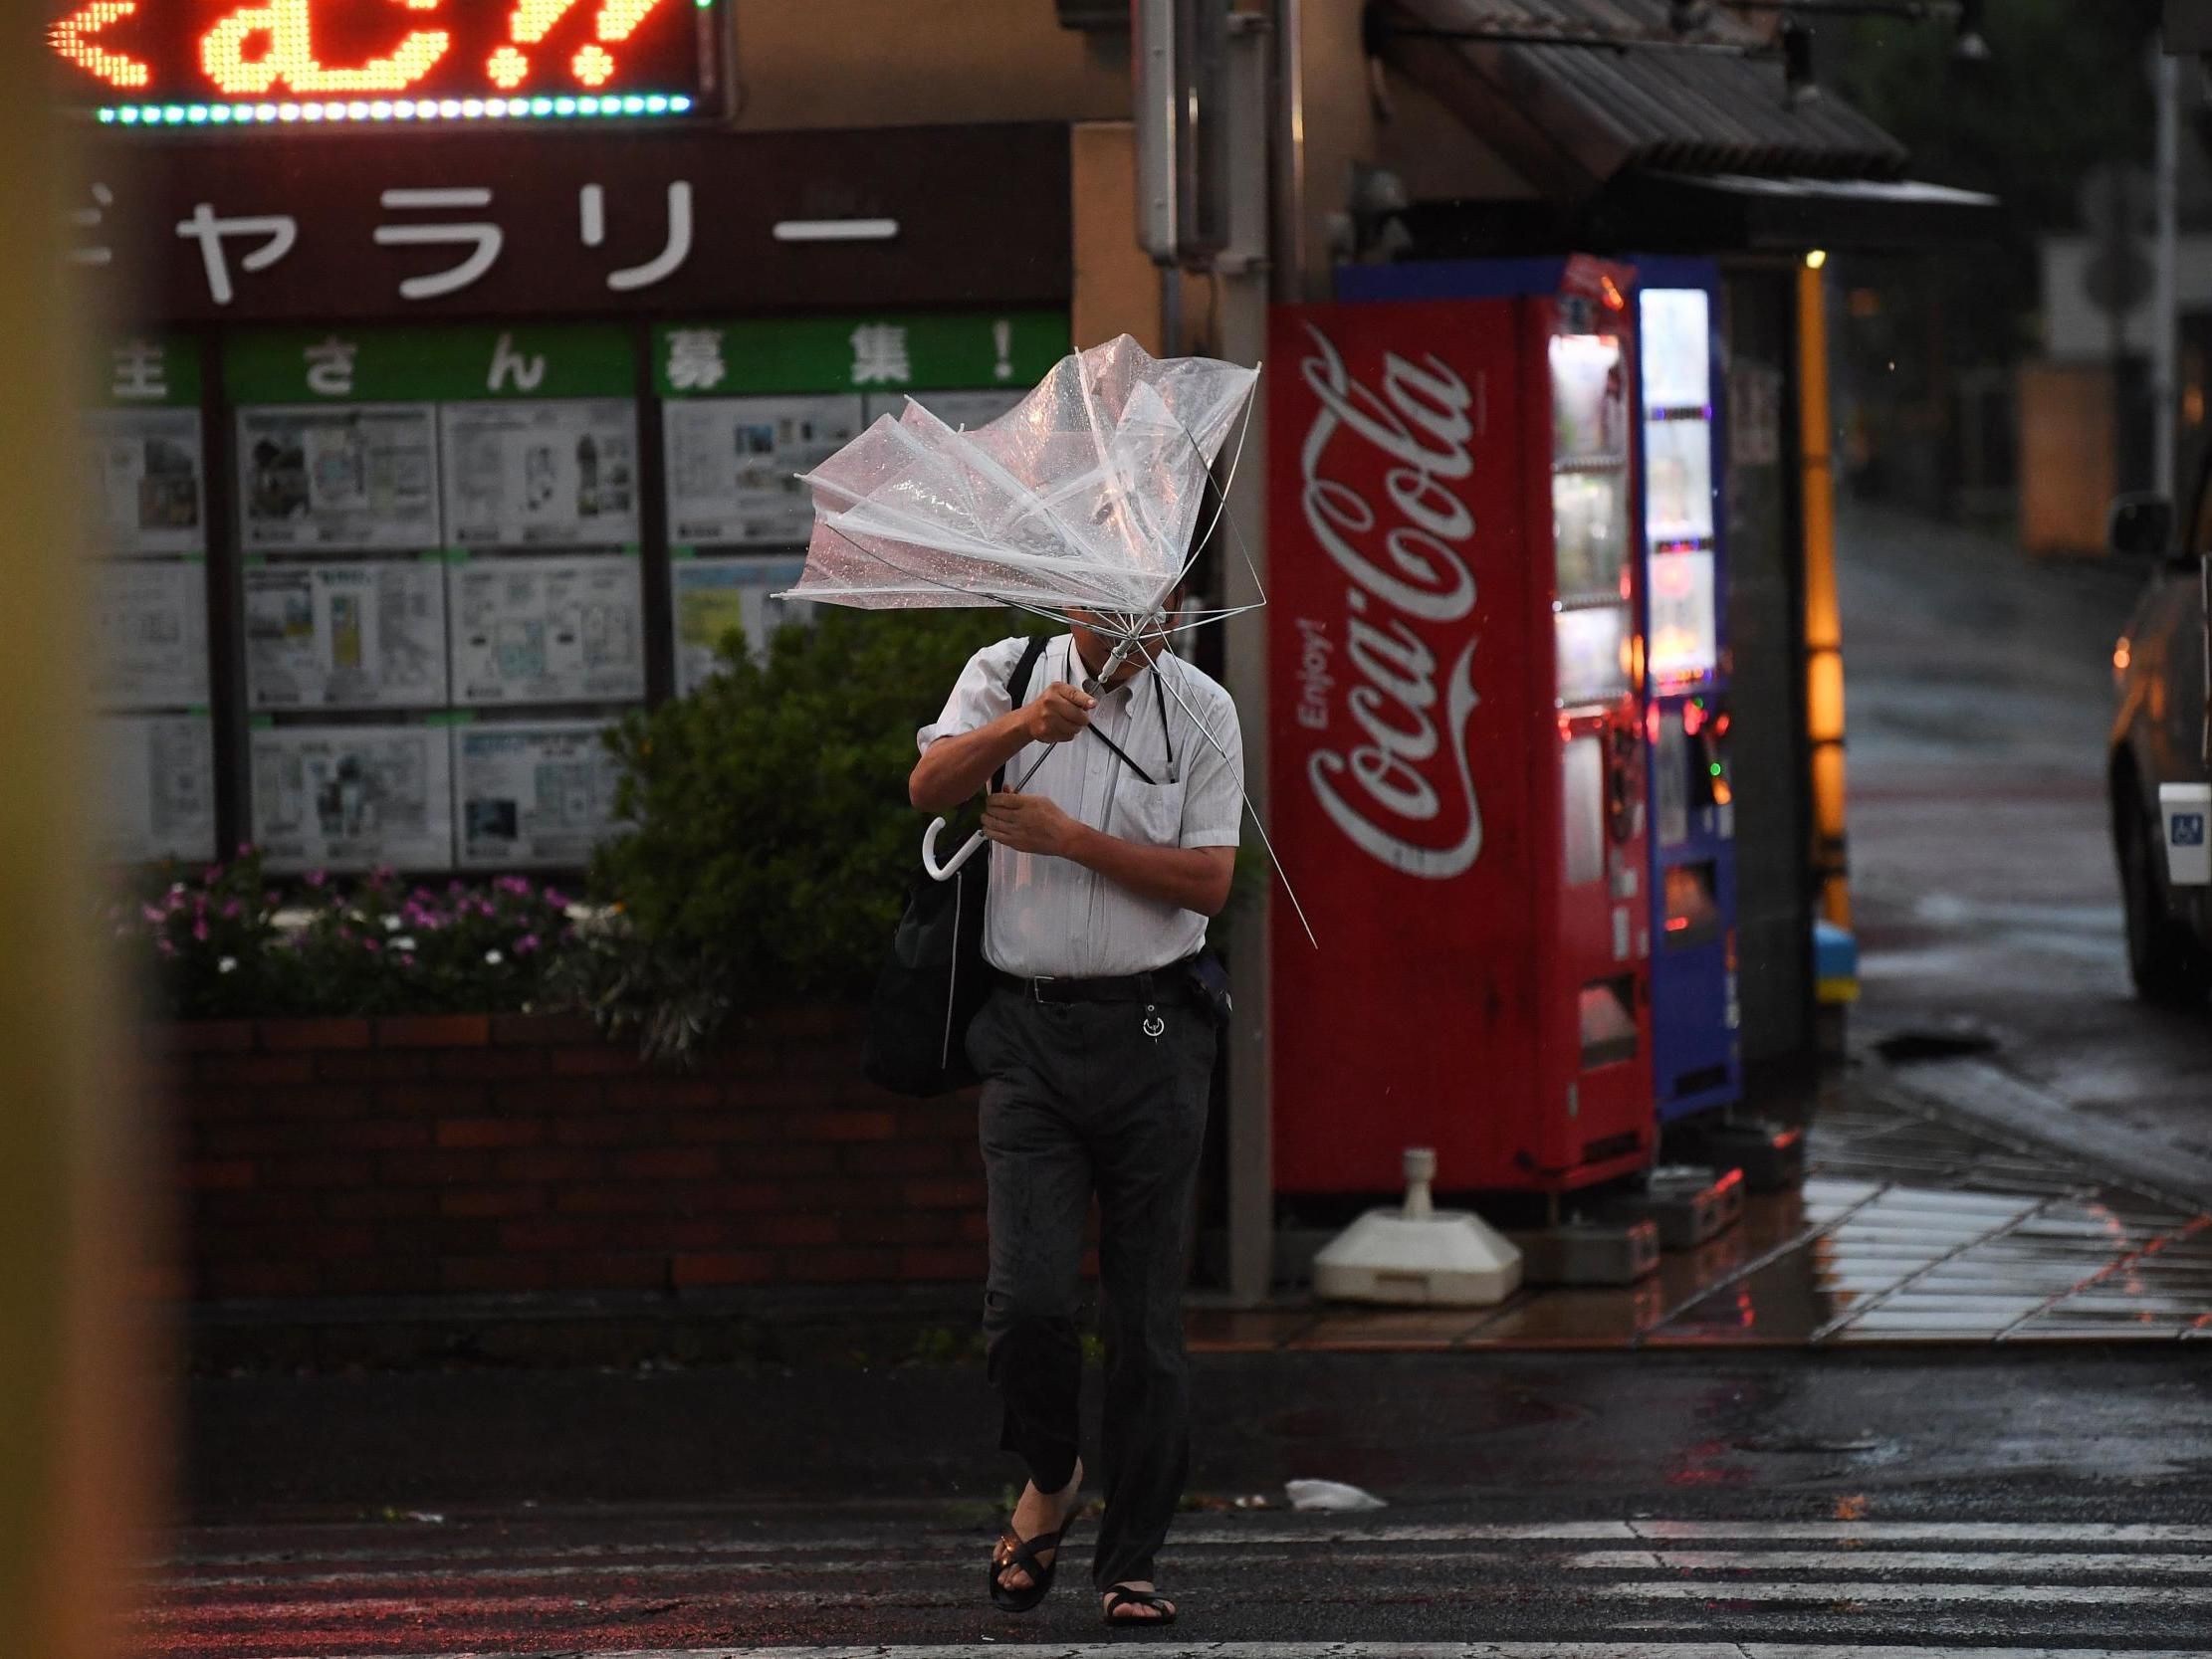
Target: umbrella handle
{"points": [[945, 871]]}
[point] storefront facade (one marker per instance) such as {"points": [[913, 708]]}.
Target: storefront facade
{"points": [[421, 460]]}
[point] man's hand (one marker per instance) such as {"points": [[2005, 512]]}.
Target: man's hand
{"points": [[1031, 823], [1059, 714]]}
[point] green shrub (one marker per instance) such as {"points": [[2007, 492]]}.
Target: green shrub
{"points": [[769, 841]]}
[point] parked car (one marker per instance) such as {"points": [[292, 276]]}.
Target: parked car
{"points": [[2158, 736]]}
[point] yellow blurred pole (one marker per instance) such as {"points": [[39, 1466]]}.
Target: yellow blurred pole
{"points": [[74, 1437], [1824, 628]]}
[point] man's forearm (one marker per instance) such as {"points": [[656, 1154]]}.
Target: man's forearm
{"points": [[1190, 878], [953, 768]]}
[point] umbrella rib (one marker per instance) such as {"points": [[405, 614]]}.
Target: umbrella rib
{"points": [[1281, 874], [931, 581], [1221, 491]]}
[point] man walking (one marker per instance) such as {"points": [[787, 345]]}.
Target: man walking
{"points": [[1096, 1048]]}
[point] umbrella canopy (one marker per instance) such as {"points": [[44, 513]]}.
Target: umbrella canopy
{"points": [[1082, 498]]}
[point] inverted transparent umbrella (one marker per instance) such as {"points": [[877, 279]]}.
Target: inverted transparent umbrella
{"points": [[1078, 504]]}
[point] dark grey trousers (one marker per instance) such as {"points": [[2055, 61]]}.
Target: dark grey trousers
{"points": [[1077, 1100]]}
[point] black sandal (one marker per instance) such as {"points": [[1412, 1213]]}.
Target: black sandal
{"points": [[1123, 1595], [1024, 1555]]}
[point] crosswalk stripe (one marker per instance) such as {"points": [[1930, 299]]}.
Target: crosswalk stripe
{"points": [[1745, 1590], [1852, 1562]]}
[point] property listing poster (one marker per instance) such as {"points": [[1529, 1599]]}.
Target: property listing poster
{"points": [[159, 797], [557, 472], [150, 486], [346, 635], [149, 634], [351, 797], [339, 477], [715, 597], [540, 794], [547, 630], [733, 464]]}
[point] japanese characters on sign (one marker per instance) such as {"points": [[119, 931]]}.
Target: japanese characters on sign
{"points": [[888, 353], [242, 61], [668, 223]]}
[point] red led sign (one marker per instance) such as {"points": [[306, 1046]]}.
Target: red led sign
{"points": [[169, 62]]}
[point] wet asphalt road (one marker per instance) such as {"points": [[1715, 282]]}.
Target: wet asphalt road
{"points": [[2055, 1498], [1979, 697]]}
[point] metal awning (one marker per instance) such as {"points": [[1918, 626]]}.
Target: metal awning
{"points": [[1622, 92], [1680, 213], [1728, 210]]}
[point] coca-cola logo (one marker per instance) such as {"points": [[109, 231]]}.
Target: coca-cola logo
{"points": [[1406, 794]]}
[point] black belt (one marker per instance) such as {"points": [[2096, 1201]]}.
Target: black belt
{"points": [[1162, 984]]}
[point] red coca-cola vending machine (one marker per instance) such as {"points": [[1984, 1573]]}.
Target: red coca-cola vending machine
{"points": [[1455, 758]]}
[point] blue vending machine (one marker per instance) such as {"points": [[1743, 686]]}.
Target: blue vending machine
{"points": [[1696, 1053]]}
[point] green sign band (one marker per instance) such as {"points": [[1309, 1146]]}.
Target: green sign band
{"points": [[885, 351], [407, 365], [146, 372]]}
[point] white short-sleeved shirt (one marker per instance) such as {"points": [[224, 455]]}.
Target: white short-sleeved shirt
{"points": [[1051, 916]]}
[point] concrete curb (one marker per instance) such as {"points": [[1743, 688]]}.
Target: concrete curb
{"points": [[1994, 1102]]}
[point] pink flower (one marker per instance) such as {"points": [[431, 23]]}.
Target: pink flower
{"points": [[371, 944], [164, 946], [316, 877], [199, 929], [154, 913], [526, 945], [233, 909], [212, 874], [559, 900]]}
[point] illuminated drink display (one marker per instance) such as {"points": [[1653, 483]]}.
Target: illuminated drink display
{"points": [[1697, 1062], [223, 62]]}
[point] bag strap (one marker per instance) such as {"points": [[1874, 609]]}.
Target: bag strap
{"points": [[1017, 692]]}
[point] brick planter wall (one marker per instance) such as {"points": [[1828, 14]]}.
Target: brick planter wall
{"points": [[468, 1154]]}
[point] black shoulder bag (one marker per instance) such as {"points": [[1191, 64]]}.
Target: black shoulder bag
{"points": [[935, 977]]}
